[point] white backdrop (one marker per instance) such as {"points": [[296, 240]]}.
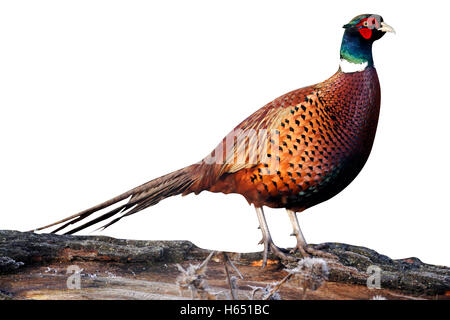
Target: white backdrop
{"points": [[97, 97]]}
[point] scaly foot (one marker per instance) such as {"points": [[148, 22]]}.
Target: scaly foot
{"points": [[269, 246], [308, 251]]}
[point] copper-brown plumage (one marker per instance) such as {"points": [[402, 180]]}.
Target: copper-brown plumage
{"points": [[325, 136], [295, 152]]}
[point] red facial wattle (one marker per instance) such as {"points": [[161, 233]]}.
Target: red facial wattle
{"points": [[366, 33]]}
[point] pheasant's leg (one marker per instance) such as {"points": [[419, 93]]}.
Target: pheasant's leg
{"points": [[267, 239], [302, 246], [297, 232]]}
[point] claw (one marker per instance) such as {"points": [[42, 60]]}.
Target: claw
{"points": [[300, 248], [320, 253], [307, 251], [280, 254], [269, 246]]}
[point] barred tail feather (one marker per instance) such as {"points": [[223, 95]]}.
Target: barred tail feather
{"points": [[141, 197]]}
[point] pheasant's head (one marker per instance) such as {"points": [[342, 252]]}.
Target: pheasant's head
{"points": [[369, 27], [359, 35]]}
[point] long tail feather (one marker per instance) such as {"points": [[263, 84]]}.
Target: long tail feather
{"points": [[141, 197]]}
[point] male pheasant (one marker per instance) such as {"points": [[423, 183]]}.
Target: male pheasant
{"points": [[297, 151]]}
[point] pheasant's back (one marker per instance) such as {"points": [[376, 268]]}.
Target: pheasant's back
{"points": [[314, 149]]}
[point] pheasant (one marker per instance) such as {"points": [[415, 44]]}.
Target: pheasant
{"points": [[297, 151]]}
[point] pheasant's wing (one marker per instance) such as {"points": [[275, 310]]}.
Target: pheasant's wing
{"points": [[248, 144]]}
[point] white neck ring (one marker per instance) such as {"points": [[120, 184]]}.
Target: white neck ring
{"points": [[349, 67]]}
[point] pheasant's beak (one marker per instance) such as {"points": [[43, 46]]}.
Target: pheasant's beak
{"points": [[386, 28]]}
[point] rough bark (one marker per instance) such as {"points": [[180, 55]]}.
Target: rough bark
{"points": [[35, 266]]}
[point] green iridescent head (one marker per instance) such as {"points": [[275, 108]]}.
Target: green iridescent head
{"points": [[360, 33]]}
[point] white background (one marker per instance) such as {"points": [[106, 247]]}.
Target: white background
{"points": [[97, 97]]}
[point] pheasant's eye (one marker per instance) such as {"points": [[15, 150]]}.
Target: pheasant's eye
{"points": [[365, 24]]}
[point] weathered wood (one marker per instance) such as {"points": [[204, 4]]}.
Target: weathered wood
{"points": [[38, 266]]}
